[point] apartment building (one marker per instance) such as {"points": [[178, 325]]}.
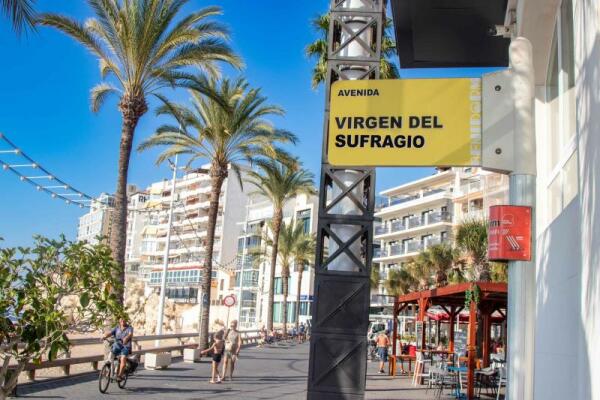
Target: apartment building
{"points": [[412, 217], [137, 218], [418, 214], [475, 191], [97, 222], [187, 249], [251, 280]]}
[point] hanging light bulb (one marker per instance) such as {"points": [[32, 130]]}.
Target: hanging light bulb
{"points": [[4, 166], [80, 205], [53, 195], [38, 187], [22, 178], [68, 201], [34, 165]]}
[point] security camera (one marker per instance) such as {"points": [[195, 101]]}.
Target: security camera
{"points": [[499, 30]]}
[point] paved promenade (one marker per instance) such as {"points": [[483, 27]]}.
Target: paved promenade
{"points": [[277, 372]]}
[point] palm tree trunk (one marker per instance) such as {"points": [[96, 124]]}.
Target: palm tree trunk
{"points": [[277, 219], [285, 278], [300, 272], [131, 109], [218, 173]]}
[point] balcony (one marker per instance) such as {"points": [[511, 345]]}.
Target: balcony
{"points": [[408, 248], [381, 299], [471, 187], [415, 222], [423, 196], [248, 303]]}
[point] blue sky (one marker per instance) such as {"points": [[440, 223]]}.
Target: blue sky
{"points": [[45, 80]]}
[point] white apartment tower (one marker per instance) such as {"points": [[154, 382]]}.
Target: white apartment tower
{"points": [[137, 218], [97, 221], [187, 250], [418, 214], [251, 280], [412, 217]]}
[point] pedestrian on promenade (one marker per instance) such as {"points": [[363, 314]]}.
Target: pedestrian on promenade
{"points": [[217, 350], [264, 336], [233, 345], [383, 342], [301, 332]]}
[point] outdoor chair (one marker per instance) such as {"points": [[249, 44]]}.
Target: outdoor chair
{"points": [[420, 363], [501, 377], [440, 378], [486, 378]]}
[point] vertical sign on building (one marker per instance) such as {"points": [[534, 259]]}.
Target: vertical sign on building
{"points": [[509, 233]]}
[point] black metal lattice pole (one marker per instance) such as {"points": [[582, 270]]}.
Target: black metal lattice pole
{"points": [[340, 311]]}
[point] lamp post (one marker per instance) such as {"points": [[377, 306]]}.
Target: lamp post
{"points": [[163, 282]]}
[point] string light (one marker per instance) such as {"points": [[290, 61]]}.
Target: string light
{"points": [[24, 164], [67, 193]]}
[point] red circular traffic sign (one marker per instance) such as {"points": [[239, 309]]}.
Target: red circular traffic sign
{"points": [[229, 301]]}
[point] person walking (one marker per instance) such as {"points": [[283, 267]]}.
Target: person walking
{"points": [[383, 342], [233, 345], [217, 349], [301, 333]]}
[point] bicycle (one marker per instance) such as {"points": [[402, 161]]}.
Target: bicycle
{"points": [[109, 370]]}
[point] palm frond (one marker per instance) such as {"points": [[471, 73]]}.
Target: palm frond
{"points": [[20, 12], [99, 94]]}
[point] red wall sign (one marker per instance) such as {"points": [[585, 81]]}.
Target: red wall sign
{"points": [[509, 233]]}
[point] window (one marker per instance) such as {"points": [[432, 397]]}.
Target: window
{"points": [[560, 172], [278, 285], [304, 308], [291, 317], [277, 311], [444, 236], [303, 217]]}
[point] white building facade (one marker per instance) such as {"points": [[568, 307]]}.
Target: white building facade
{"points": [[566, 56], [412, 217], [251, 279], [424, 212], [97, 222], [137, 219], [187, 250]]}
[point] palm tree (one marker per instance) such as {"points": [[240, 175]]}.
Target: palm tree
{"points": [[399, 282], [279, 181], [471, 239], [20, 12], [318, 50], [228, 130], [499, 271], [304, 254], [374, 277], [145, 45], [288, 239], [420, 268], [442, 258]]}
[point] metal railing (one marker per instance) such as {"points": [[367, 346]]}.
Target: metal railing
{"points": [[183, 342], [406, 248], [415, 222]]}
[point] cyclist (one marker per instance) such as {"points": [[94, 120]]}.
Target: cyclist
{"points": [[123, 333]]}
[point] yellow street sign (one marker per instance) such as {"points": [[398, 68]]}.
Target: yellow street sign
{"points": [[405, 122]]}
